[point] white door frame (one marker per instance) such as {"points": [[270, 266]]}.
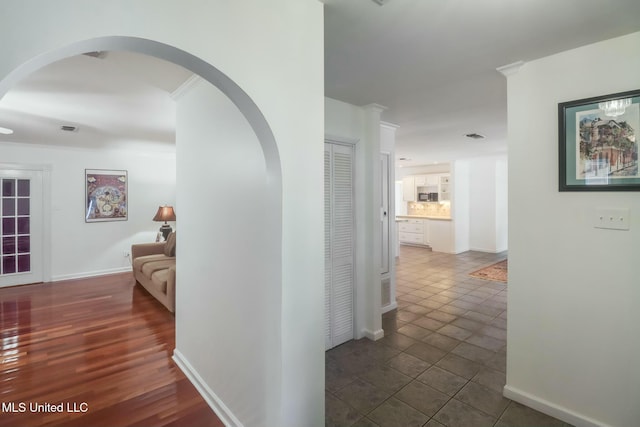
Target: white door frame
{"points": [[46, 210], [385, 212]]}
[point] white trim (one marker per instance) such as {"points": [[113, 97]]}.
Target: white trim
{"points": [[485, 250], [389, 125], [375, 107], [393, 232], [373, 336], [550, 408], [22, 167], [47, 241], [159, 150], [181, 90], [390, 210], [216, 404], [390, 307], [335, 139], [510, 69], [47, 249], [86, 274]]}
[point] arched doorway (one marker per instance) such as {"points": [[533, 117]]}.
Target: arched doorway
{"points": [[172, 54], [265, 317]]}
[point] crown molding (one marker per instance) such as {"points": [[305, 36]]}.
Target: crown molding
{"points": [[389, 125], [375, 107], [185, 87], [510, 69]]}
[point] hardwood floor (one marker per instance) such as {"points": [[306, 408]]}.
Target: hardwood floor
{"points": [[102, 348]]}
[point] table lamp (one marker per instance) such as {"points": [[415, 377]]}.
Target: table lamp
{"points": [[165, 213]]}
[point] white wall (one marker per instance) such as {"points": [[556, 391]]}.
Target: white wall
{"points": [[460, 206], [502, 205], [488, 204], [421, 170], [343, 120], [236, 212], [346, 122], [271, 57], [482, 201], [574, 290], [80, 249]]}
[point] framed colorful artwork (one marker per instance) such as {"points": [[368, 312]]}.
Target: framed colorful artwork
{"points": [[598, 142], [106, 195]]}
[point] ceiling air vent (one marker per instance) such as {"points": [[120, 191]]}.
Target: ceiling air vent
{"points": [[474, 136], [403, 159], [69, 128], [96, 54]]}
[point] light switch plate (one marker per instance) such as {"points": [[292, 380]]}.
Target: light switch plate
{"points": [[612, 218]]}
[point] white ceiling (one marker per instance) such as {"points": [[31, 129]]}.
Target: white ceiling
{"points": [[119, 99], [432, 63]]}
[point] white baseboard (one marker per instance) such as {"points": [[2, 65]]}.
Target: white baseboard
{"points": [[485, 250], [389, 307], [551, 409], [221, 410], [373, 336], [86, 274], [488, 251]]}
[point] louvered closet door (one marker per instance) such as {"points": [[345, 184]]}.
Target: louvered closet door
{"points": [[339, 244]]}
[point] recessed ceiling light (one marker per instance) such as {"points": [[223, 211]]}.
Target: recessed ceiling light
{"points": [[474, 136], [6, 131]]}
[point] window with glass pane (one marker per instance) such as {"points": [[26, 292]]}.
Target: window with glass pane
{"points": [[15, 227]]}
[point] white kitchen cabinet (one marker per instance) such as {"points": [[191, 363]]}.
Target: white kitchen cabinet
{"points": [[432, 180], [426, 183], [426, 234], [408, 189], [411, 238], [412, 226], [429, 183], [420, 180], [436, 233], [445, 193], [412, 231]]}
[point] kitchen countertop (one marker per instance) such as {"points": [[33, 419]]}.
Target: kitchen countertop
{"points": [[401, 217]]}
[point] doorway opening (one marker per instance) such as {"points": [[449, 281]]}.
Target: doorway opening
{"points": [[209, 239]]}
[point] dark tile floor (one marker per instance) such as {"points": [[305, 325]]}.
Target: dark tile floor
{"points": [[442, 360]]}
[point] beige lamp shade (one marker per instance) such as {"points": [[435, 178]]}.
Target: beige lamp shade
{"points": [[165, 213]]}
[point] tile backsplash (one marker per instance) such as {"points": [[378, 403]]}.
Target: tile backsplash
{"points": [[429, 209]]}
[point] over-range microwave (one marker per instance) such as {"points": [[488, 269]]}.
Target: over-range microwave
{"points": [[427, 197]]}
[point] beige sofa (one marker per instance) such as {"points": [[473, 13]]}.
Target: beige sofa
{"points": [[154, 267]]}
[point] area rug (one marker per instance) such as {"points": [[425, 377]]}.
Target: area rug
{"points": [[496, 272]]}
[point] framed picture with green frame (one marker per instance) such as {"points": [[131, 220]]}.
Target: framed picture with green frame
{"points": [[598, 143]]}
